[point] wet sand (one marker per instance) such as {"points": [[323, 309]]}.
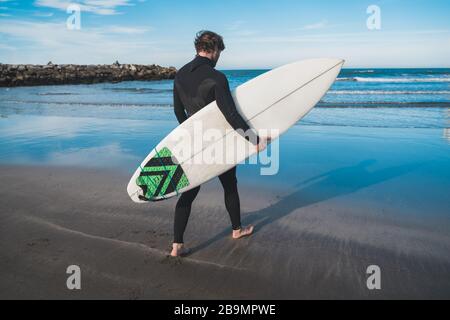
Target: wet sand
{"points": [[307, 245]]}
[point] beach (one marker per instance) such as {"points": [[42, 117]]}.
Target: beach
{"points": [[357, 185], [299, 250]]}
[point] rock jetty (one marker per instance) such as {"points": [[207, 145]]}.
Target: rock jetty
{"points": [[13, 75]]}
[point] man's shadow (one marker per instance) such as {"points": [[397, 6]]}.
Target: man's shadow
{"points": [[325, 186]]}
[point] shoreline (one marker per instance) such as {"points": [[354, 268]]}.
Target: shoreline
{"points": [[23, 75], [54, 217]]}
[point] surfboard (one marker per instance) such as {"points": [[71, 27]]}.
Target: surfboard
{"points": [[205, 145]]}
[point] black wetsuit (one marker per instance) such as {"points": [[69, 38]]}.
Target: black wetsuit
{"points": [[196, 85]]}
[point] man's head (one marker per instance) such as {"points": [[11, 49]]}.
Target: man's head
{"points": [[209, 44]]}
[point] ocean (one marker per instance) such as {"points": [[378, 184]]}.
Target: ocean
{"points": [[359, 97]]}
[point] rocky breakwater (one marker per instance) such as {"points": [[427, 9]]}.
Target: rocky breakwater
{"points": [[55, 74]]}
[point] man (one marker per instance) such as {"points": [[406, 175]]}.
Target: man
{"points": [[196, 85]]}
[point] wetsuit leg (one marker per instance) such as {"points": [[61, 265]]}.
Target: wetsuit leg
{"points": [[182, 212], [229, 184]]}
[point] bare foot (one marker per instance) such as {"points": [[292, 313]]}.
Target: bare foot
{"points": [[243, 232], [179, 250]]}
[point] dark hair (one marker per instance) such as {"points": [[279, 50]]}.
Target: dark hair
{"points": [[208, 41]]}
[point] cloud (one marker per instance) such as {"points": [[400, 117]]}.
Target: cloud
{"points": [[318, 25], [125, 30], [53, 41], [43, 14], [101, 7]]}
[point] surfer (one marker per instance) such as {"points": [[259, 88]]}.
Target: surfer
{"points": [[196, 85]]}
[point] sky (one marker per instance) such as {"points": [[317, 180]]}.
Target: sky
{"points": [[258, 34]]}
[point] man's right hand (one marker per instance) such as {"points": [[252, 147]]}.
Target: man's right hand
{"points": [[263, 142]]}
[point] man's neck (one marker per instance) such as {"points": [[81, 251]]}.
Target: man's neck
{"points": [[205, 55], [207, 58]]}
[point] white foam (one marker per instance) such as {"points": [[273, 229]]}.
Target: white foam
{"points": [[381, 92], [405, 79]]}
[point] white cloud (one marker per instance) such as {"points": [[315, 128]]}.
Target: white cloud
{"points": [[101, 7], [53, 41], [43, 14], [314, 26], [124, 30]]}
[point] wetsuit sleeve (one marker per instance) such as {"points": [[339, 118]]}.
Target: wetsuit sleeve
{"points": [[226, 104], [178, 106]]}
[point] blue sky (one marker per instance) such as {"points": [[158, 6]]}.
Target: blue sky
{"points": [[258, 33]]}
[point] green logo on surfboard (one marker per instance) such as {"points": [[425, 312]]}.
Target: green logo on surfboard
{"points": [[161, 176]]}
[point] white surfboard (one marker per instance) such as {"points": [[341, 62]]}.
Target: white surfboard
{"points": [[205, 145]]}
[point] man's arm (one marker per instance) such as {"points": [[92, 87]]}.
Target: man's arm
{"points": [[226, 104], [178, 107]]}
